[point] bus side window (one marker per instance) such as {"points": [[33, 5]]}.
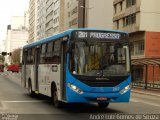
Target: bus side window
{"points": [[56, 52], [49, 52], [28, 56], [43, 52], [32, 55], [23, 57]]}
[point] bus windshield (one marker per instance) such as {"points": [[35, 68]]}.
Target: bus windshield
{"points": [[99, 59]]}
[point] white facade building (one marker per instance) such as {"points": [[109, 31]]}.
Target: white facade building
{"points": [[17, 35], [41, 17], [32, 21], [89, 14]]}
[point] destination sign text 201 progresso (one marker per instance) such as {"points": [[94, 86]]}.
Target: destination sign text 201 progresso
{"points": [[98, 35]]}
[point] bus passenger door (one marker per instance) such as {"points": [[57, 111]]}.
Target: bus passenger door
{"points": [[37, 52], [63, 69]]}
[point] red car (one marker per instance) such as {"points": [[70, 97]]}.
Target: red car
{"points": [[13, 68]]}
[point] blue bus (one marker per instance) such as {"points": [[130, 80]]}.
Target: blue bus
{"points": [[79, 65]]}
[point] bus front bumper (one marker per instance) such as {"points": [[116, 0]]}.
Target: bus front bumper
{"points": [[87, 97]]}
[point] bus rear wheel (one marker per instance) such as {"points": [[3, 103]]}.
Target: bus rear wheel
{"points": [[103, 105], [56, 102]]}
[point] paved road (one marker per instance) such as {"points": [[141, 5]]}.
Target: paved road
{"points": [[15, 100]]}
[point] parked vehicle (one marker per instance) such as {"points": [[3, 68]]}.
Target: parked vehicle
{"points": [[13, 68]]}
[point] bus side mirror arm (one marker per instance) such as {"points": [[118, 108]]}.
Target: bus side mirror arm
{"points": [[69, 47]]}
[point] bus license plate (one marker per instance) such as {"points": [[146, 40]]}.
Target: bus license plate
{"points": [[102, 98]]}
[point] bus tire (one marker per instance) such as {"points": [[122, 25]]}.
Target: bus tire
{"points": [[30, 91], [103, 105], [55, 100]]}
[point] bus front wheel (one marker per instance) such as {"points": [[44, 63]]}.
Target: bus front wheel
{"points": [[103, 105]]}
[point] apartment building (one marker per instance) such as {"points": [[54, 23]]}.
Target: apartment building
{"points": [[54, 17], [71, 14], [49, 18], [41, 18], [141, 19], [32, 20]]}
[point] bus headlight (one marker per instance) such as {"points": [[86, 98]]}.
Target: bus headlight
{"points": [[75, 88], [125, 89]]}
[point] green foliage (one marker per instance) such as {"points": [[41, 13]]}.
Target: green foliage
{"points": [[16, 56], [2, 58]]}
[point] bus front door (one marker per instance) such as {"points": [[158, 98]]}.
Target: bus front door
{"points": [[63, 69]]}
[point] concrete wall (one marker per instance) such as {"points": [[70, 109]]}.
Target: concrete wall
{"points": [[100, 14], [150, 15]]}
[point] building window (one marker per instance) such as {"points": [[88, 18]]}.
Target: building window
{"points": [[56, 2], [131, 19], [137, 73], [127, 21], [55, 29], [73, 11], [130, 3], [56, 11], [121, 7], [73, 22], [117, 23], [124, 23], [115, 8], [141, 47], [132, 48], [68, 4], [137, 48], [56, 20]]}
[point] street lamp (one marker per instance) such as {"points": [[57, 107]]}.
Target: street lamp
{"points": [[86, 15]]}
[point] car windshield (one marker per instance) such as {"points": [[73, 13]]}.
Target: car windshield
{"points": [[99, 59]]}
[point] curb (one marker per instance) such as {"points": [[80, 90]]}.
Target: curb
{"points": [[14, 78], [145, 93]]}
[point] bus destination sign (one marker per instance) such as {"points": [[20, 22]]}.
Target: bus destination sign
{"points": [[99, 35]]}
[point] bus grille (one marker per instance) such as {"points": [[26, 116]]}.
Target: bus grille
{"points": [[111, 82]]}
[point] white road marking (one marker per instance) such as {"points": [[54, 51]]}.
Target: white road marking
{"points": [[133, 100], [145, 102]]}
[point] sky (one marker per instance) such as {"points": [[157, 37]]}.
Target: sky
{"points": [[10, 8]]}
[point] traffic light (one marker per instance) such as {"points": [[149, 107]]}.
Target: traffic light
{"points": [[4, 53]]}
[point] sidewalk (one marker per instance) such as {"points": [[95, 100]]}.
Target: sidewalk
{"points": [[16, 77], [146, 92]]}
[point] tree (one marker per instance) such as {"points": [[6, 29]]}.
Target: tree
{"points": [[16, 56], [2, 58]]}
